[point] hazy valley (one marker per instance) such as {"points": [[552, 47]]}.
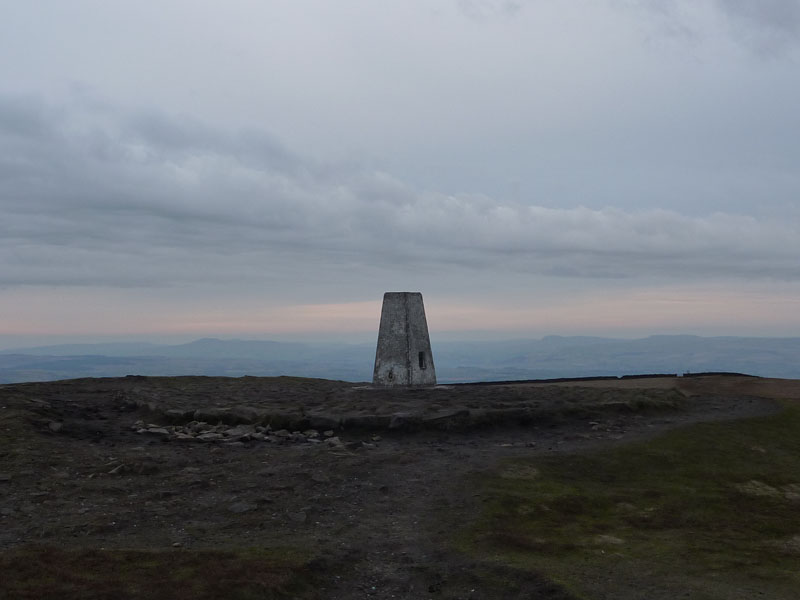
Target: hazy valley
{"points": [[549, 357]]}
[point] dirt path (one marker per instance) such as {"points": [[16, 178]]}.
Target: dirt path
{"points": [[378, 509]]}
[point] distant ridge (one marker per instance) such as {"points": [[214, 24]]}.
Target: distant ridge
{"points": [[549, 358], [606, 378]]}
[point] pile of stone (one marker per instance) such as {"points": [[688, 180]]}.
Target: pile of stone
{"points": [[201, 431]]}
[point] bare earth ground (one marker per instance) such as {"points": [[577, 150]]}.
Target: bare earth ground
{"points": [[375, 503]]}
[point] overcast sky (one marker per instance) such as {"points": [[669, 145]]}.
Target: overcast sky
{"points": [[268, 168]]}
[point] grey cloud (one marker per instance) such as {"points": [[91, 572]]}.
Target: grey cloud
{"points": [[769, 26], [484, 9], [114, 199]]}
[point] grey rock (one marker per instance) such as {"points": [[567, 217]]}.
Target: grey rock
{"points": [[320, 477], [334, 442], [209, 437], [328, 433], [5, 477], [158, 431], [240, 432], [55, 426]]}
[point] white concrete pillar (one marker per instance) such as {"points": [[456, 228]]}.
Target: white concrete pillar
{"points": [[403, 356]]}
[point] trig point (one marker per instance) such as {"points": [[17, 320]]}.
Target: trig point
{"points": [[404, 353]]}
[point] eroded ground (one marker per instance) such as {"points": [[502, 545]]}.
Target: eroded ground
{"points": [[368, 490]]}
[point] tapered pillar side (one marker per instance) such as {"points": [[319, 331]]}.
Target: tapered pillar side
{"points": [[403, 356]]}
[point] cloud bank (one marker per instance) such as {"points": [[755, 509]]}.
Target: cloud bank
{"points": [[92, 194]]}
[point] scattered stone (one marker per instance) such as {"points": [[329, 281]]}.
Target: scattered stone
{"points": [[240, 430], [334, 442], [209, 437], [158, 431], [5, 477], [282, 433], [320, 478], [55, 426], [176, 544], [328, 433], [311, 433]]}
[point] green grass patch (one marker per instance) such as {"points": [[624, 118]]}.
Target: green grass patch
{"points": [[49, 572], [712, 507]]}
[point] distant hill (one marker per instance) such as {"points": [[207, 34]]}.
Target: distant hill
{"points": [[549, 357]]}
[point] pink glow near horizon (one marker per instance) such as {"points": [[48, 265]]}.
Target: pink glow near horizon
{"points": [[610, 313]]}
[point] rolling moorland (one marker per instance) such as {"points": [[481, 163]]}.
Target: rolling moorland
{"points": [[550, 357], [285, 487]]}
